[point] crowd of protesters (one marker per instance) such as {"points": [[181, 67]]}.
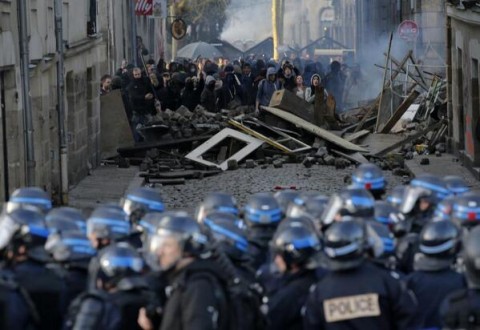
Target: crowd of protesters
{"points": [[223, 84]]}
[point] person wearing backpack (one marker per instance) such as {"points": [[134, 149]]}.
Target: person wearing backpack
{"points": [[295, 247], [121, 292], [196, 292]]}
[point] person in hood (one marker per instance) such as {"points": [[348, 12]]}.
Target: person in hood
{"points": [[266, 88]]}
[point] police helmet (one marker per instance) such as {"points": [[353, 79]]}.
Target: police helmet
{"points": [[262, 209], [285, 198], [136, 203], [311, 206], [70, 247], [369, 176], [456, 184], [471, 255], [438, 246], [354, 202], [345, 245], [231, 238], [426, 186], [24, 227], [119, 261], [395, 197], [149, 222], [216, 201], [466, 210], [383, 210], [29, 196], [108, 222], [65, 218], [296, 244], [188, 233]]}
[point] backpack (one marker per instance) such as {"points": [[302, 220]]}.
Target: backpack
{"points": [[241, 302]]}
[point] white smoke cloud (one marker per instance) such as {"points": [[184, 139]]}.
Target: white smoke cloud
{"points": [[249, 21]]}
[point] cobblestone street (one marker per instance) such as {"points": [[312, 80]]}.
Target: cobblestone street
{"points": [[243, 182]]}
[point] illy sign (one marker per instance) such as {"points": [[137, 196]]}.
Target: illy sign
{"points": [[408, 30]]}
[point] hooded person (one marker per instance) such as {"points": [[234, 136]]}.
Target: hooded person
{"points": [[315, 81], [266, 88], [208, 98]]}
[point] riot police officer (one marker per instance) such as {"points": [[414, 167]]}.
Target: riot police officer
{"points": [[460, 309], [23, 233], [296, 248], [140, 201], [196, 295], [33, 196], [434, 278], [262, 215], [121, 292], [65, 218], [356, 294], [216, 202], [370, 176]]}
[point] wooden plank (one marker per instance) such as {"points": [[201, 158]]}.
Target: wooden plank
{"points": [[391, 99], [357, 135], [410, 74], [288, 101], [284, 137], [355, 157], [384, 90], [399, 112], [408, 139], [320, 132]]}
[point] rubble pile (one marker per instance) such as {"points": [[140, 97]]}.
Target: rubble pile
{"points": [[406, 120]]}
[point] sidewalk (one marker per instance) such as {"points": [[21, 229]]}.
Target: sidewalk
{"points": [[447, 164], [106, 184]]}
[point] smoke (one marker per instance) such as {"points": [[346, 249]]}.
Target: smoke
{"points": [[249, 22], [372, 55]]}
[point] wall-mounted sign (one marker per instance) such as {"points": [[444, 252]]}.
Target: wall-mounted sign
{"points": [[408, 30], [178, 28]]}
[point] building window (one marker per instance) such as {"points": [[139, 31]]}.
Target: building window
{"points": [[92, 18]]}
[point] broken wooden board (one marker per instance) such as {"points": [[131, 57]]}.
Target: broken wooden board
{"points": [[390, 100], [407, 117], [115, 131], [409, 139], [402, 108], [376, 142], [357, 135], [288, 101], [320, 132], [274, 143], [355, 157], [251, 145]]}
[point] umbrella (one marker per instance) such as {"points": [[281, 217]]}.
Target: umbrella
{"points": [[199, 49]]}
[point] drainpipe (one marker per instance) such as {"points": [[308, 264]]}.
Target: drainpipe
{"points": [[450, 135], [133, 24], [62, 137], [27, 102], [3, 109]]}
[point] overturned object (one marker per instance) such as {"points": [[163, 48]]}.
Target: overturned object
{"points": [[251, 145]]}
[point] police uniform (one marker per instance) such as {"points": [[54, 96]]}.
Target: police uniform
{"points": [[365, 297], [284, 305], [430, 289], [196, 299]]}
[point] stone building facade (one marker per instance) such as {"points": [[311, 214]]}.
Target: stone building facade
{"points": [[463, 56]]}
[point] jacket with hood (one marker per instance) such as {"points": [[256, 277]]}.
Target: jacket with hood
{"points": [[266, 88]]}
